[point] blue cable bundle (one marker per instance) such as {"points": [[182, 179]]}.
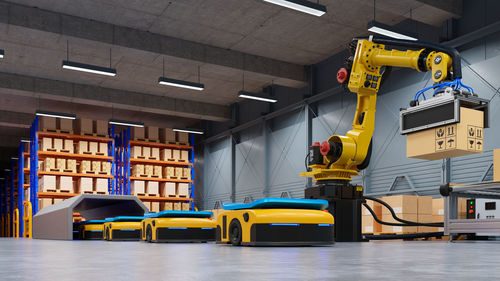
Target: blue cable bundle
{"points": [[455, 84]]}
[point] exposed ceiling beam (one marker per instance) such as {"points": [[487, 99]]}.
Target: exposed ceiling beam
{"points": [[15, 119], [58, 23], [451, 6], [100, 96]]}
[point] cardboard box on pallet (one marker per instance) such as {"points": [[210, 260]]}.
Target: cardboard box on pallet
{"points": [[48, 164], [46, 144], [137, 133], [68, 146], [101, 127], [166, 206], [152, 133], [157, 171], [136, 152], [186, 206], [176, 154], [138, 170], [101, 185], [153, 188], [136, 187], [168, 189], [424, 205], [65, 125], [437, 218], [82, 147], [93, 147], [184, 156], [183, 189], [167, 135], [71, 165], [155, 207], [463, 138], [85, 185], [103, 149], [44, 202], [47, 183], [166, 154], [368, 223], [179, 172], [425, 218], [61, 164], [65, 184], [169, 172], [57, 144], [84, 126], [96, 166], [183, 137], [438, 207], [402, 204], [146, 152], [177, 206], [155, 153], [106, 168], [47, 123], [85, 165], [399, 229], [186, 173]]}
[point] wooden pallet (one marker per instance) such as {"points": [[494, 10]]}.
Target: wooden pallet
{"points": [[69, 171], [57, 131], [57, 191], [176, 142], [96, 192], [93, 135], [146, 140]]}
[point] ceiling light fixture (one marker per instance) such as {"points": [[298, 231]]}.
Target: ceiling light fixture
{"points": [[14, 158], [126, 123], [2, 53], [55, 114], [180, 83], [26, 141], [382, 29], [254, 96], [188, 130], [71, 65], [304, 6]]}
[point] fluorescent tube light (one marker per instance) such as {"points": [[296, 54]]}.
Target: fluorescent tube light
{"points": [[27, 141], [7, 170], [126, 123], [88, 68], [253, 96], [55, 114], [2, 53], [186, 130], [14, 158], [180, 83], [304, 6], [388, 31]]}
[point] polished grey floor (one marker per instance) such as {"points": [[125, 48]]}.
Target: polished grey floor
{"points": [[26, 259]]}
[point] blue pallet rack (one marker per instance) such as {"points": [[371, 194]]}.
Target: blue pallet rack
{"points": [[20, 187], [13, 189], [122, 156]]}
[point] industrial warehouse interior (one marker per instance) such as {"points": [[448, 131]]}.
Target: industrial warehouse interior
{"points": [[249, 140]]}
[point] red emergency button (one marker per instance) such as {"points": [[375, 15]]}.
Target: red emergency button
{"points": [[325, 148]]}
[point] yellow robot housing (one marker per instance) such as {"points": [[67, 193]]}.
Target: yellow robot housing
{"points": [[123, 228], [91, 229], [276, 221], [178, 226]]}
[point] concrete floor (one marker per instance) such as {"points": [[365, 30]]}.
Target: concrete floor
{"points": [[26, 259]]}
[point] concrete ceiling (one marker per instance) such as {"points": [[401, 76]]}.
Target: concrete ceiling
{"points": [[225, 39]]}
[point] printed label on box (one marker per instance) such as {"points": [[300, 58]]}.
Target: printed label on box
{"points": [[398, 210], [397, 228], [441, 212], [368, 228]]}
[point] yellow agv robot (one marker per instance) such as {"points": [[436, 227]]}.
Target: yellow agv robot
{"points": [[276, 221], [123, 228], [90, 230], [178, 226]]}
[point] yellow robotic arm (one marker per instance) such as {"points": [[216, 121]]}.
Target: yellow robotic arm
{"points": [[342, 157]]}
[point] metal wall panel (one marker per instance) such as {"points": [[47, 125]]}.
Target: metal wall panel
{"points": [[217, 173]]}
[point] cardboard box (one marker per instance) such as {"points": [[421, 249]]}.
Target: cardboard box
{"points": [[184, 156], [402, 204], [399, 229], [93, 147], [179, 172], [136, 152], [138, 170], [71, 165], [426, 218], [155, 207], [368, 223], [186, 206], [424, 205], [437, 218], [84, 126], [85, 165], [153, 187], [47, 183], [65, 184], [106, 168], [44, 202], [167, 189], [48, 164], [82, 147], [183, 137], [57, 144], [176, 154], [183, 189], [57, 200], [186, 173], [167, 135], [137, 133], [101, 127], [157, 171], [155, 153], [47, 123], [463, 138], [68, 146], [438, 207], [177, 206], [166, 154], [169, 172], [96, 166], [101, 185], [137, 187], [61, 164], [496, 165], [146, 152], [148, 170], [46, 144], [65, 124], [85, 185], [103, 149], [153, 133], [166, 206]]}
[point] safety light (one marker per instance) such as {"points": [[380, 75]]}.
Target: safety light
{"points": [[304, 6], [55, 114], [377, 27], [254, 96], [180, 83], [88, 68], [125, 123]]}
